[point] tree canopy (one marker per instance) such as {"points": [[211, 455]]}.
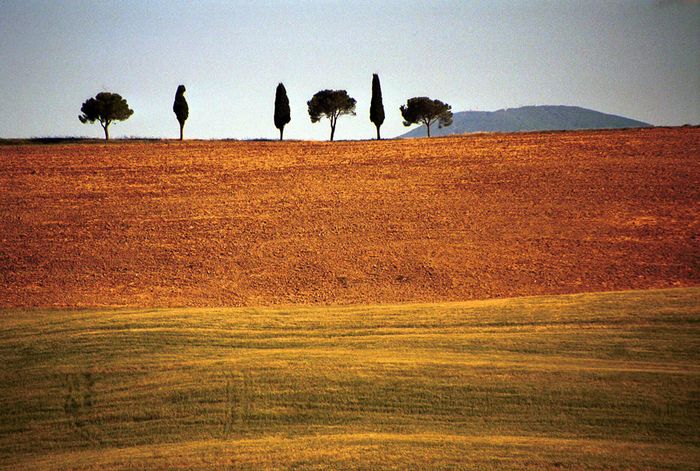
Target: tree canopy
{"points": [[282, 112], [180, 108], [376, 108], [105, 107], [331, 104], [423, 110]]}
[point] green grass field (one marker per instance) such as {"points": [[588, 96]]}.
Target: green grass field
{"points": [[608, 380]]}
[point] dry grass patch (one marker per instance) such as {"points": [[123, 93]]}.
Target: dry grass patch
{"points": [[606, 380]]}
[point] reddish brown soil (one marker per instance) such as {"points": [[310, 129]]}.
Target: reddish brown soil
{"points": [[251, 223]]}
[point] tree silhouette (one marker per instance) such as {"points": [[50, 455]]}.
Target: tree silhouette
{"points": [[282, 113], [180, 108], [105, 108], [332, 104], [376, 108], [426, 111]]}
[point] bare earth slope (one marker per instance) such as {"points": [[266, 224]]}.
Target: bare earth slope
{"points": [[250, 223]]}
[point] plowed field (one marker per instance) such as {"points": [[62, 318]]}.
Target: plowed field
{"points": [[250, 223]]}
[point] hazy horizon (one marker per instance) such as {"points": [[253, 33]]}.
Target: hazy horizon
{"points": [[638, 59]]}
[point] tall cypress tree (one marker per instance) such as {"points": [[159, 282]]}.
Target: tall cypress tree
{"points": [[376, 108], [180, 108], [282, 113]]}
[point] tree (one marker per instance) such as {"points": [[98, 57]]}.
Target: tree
{"points": [[332, 104], [282, 113], [376, 108], [426, 111], [105, 108], [180, 108]]}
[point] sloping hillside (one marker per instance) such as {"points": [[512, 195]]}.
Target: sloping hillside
{"points": [[250, 223], [529, 118]]}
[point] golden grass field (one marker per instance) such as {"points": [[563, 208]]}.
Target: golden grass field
{"points": [[212, 223], [588, 381]]}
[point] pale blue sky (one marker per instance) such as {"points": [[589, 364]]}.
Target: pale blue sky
{"points": [[639, 59]]}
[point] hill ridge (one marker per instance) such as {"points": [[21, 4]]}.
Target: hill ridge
{"points": [[530, 118]]}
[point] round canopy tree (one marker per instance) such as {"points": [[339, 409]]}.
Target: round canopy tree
{"points": [[331, 104], [282, 113], [180, 108], [423, 110], [105, 107]]}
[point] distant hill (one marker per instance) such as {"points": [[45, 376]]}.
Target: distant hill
{"points": [[529, 118]]}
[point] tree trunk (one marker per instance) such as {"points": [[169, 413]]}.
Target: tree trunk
{"points": [[182, 127], [332, 130], [106, 128], [281, 132], [428, 127], [378, 136]]}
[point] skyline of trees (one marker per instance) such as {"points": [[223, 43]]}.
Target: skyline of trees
{"points": [[107, 107]]}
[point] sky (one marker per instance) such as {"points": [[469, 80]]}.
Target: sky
{"points": [[637, 58]]}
